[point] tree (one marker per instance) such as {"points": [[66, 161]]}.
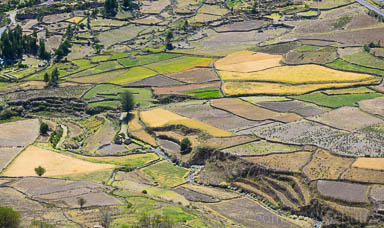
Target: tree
{"points": [[110, 8], [106, 218], [43, 128], [127, 101], [185, 146], [9, 218], [81, 201], [46, 77], [168, 38], [127, 4], [40, 171]]}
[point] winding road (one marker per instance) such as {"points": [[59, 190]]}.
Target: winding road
{"points": [[371, 7]]}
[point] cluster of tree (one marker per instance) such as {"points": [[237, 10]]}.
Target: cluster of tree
{"points": [[13, 44], [53, 79], [9, 218], [63, 49], [111, 7], [6, 113], [13, 4], [127, 101], [56, 136], [367, 47]]}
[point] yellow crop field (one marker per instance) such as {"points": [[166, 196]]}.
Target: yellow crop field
{"points": [[298, 74], [75, 19], [248, 61], [369, 163], [160, 117], [246, 87], [56, 164]]}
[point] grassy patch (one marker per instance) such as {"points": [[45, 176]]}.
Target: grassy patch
{"points": [[147, 59], [343, 65], [166, 174], [142, 95], [336, 101], [129, 161], [179, 64], [99, 58], [98, 176]]}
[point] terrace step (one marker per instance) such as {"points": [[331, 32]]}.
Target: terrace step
{"points": [[300, 188], [285, 202], [286, 189], [262, 188], [253, 189]]}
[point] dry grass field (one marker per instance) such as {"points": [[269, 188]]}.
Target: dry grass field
{"points": [[291, 162], [369, 163], [247, 61], [324, 165], [348, 192], [55, 164]]}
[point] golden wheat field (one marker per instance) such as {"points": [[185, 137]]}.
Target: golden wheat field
{"points": [[369, 163], [298, 74], [75, 19], [248, 61], [55, 164], [246, 87], [160, 117]]}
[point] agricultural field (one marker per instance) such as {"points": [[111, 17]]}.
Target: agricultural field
{"points": [[201, 114]]}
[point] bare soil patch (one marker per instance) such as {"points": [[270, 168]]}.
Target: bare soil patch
{"points": [[348, 192], [347, 118], [196, 75], [7, 155], [249, 213], [156, 81], [19, 133], [373, 106]]}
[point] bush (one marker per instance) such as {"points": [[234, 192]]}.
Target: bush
{"points": [[9, 218], [185, 146], [153, 222], [43, 128], [40, 171], [144, 191], [81, 201]]}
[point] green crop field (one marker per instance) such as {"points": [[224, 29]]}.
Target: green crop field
{"points": [[343, 65], [166, 174], [179, 64], [336, 101], [129, 161], [147, 59]]}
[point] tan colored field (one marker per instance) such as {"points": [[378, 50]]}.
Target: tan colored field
{"points": [[55, 164], [324, 165], [369, 163], [250, 111], [144, 136], [291, 162], [248, 61], [19, 133], [75, 19], [364, 175], [160, 117], [134, 123], [246, 87], [298, 74]]}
